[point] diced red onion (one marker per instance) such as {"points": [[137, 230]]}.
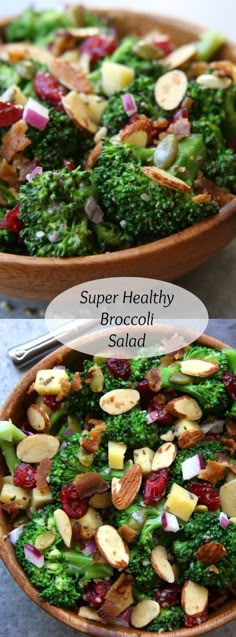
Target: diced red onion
{"points": [[124, 619], [36, 171], [152, 416], [93, 211], [224, 520], [192, 466], [129, 104], [33, 555], [15, 534], [170, 522], [90, 547], [36, 114], [216, 427]]}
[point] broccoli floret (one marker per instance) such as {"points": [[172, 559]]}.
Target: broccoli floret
{"points": [[8, 76], [215, 106], [140, 568], [232, 412], [208, 44], [140, 367], [220, 161], [52, 211], [59, 141], [208, 449], [231, 357], [60, 580], [126, 54], [208, 354], [110, 237], [211, 396], [169, 619], [199, 530], [10, 435], [132, 428], [153, 212], [38, 26]]}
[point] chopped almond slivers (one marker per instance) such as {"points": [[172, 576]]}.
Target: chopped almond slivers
{"points": [[16, 51], [165, 179], [78, 112], [181, 56], [164, 456], [70, 75], [118, 598], [170, 89], [189, 439], [112, 547], [185, 407], [125, 489], [161, 564], [92, 442], [8, 174], [87, 484], [194, 598], [14, 140], [214, 471], [199, 368], [204, 198], [138, 133], [210, 553], [93, 156]]}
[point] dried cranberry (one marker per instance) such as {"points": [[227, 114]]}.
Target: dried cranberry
{"points": [[180, 113], [212, 437], [71, 503], [96, 592], [155, 486], [160, 414], [24, 476], [11, 220], [98, 46], [48, 88], [68, 164], [229, 380], [9, 113], [206, 494], [190, 621], [51, 402], [146, 394], [119, 367], [168, 596]]}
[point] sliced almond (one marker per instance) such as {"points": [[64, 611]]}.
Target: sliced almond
{"points": [[164, 456], [44, 540], [185, 406], [168, 437], [144, 613], [86, 484], [38, 418], [37, 447], [210, 553], [125, 489], [16, 51], [95, 379], [93, 156], [194, 598], [101, 500], [181, 56], [197, 367], [170, 89], [228, 498], [63, 526], [89, 523], [189, 439], [112, 547], [161, 564], [118, 598], [88, 613], [70, 75], [138, 133], [119, 401], [144, 458], [77, 111], [203, 198], [165, 179], [184, 424], [127, 533], [214, 82]]}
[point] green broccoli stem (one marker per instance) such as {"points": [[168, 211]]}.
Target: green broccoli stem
{"points": [[124, 48], [230, 116], [231, 356], [208, 45], [191, 156], [70, 557], [10, 432], [55, 418], [78, 563], [98, 571], [232, 412], [142, 154], [9, 454]]}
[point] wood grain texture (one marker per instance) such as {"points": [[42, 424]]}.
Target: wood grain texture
{"points": [[14, 408], [43, 278]]}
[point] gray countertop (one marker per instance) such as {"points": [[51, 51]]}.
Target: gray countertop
{"points": [[19, 616]]}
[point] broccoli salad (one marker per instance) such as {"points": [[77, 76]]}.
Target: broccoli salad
{"points": [[109, 143], [120, 487]]}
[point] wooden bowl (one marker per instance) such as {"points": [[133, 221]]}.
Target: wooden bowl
{"points": [[15, 408], [43, 278]]}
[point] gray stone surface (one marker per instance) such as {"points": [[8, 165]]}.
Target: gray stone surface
{"points": [[19, 616]]}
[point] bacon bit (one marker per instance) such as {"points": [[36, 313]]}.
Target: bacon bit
{"points": [[11, 509], [8, 173], [76, 384], [16, 51], [214, 471], [89, 483], [231, 428], [63, 42], [214, 569], [70, 75], [221, 196], [92, 443], [181, 128], [93, 156], [160, 124], [92, 422], [14, 140], [154, 379], [204, 198], [229, 445], [65, 389], [118, 598], [42, 473], [224, 68], [198, 68], [127, 533], [23, 165]]}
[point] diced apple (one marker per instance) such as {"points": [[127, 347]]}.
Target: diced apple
{"points": [[48, 381], [183, 424], [181, 502], [144, 458], [96, 105], [41, 498], [12, 495], [116, 454], [115, 77], [89, 523], [9, 479]]}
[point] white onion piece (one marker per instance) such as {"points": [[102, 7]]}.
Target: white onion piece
{"points": [[36, 114], [36, 171], [15, 534], [170, 522], [216, 427], [129, 104], [192, 466], [224, 520], [93, 211], [33, 555]]}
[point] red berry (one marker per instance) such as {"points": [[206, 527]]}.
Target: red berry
{"points": [[24, 476], [98, 46], [168, 596], [48, 88], [71, 503], [190, 621], [160, 414], [11, 220], [96, 592], [206, 494], [51, 402], [229, 380], [146, 394], [119, 367], [155, 486], [10, 113], [68, 164], [212, 437], [162, 42]]}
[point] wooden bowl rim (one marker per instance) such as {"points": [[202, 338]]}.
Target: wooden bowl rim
{"points": [[67, 617], [154, 247]]}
